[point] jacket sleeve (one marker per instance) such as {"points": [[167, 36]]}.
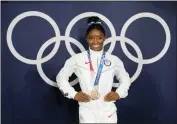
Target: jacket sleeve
{"points": [[123, 78], [62, 78]]}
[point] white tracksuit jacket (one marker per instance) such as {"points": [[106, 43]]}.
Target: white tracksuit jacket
{"points": [[79, 65]]}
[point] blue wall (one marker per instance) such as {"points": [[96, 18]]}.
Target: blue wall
{"points": [[27, 98]]}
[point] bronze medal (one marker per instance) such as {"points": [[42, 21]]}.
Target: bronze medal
{"points": [[94, 95]]}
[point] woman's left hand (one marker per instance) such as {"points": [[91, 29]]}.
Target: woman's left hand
{"points": [[112, 96]]}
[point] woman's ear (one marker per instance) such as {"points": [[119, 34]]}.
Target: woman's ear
{"points": [[86, 39], [104, 37]]}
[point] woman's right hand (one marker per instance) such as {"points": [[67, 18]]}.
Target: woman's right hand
{"points": [[82, 97]]}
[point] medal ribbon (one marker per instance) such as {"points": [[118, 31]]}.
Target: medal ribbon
{"points": [[99, 68]]}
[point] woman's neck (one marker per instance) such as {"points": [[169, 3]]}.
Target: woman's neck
{"points": [[95, 51]]}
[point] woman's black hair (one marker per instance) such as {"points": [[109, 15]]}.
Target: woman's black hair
{"points": [[94, 23]]}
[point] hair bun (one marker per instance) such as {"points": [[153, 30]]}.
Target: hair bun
{"points": [[93, 20]]}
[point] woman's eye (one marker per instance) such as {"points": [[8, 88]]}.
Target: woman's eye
{"points": [[100, 38], [90, 38]]}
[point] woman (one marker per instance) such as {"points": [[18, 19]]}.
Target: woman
{"points": [[95, 70]]}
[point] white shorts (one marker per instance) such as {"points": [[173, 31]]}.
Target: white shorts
{"points": [[87, 115]]}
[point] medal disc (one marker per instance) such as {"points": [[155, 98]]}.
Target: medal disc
{"points": [[94, 95]]}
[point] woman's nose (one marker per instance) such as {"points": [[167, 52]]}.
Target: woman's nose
{"points": [[95, 39]]}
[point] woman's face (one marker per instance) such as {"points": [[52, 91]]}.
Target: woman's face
{"points": [[95, 39]]}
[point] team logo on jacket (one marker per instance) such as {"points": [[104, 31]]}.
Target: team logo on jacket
{"points": [[107, 62]]}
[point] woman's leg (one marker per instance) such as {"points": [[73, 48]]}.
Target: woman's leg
{"points": [[86, 115], [108, 118]]}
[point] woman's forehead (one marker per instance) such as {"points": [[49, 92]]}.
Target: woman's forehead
{"points": [[95, 32]]}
